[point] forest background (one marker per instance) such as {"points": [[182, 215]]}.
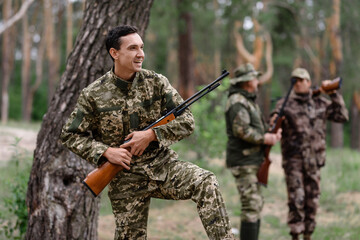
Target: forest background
{"points": [[190, 42]]}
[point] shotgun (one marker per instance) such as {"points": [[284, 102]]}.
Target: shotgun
{"points": [[101, 176], [263, 172], [333, 85]]}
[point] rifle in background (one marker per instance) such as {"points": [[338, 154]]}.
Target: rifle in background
{"points": [[263, 172], [333, 85]]}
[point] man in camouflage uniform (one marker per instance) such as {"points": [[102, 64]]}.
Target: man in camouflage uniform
{"points": [[115, 108], [247, 135], [303, 148]]}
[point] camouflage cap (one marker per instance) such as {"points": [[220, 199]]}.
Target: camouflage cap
{"points": [[300, 73], [244, 73]]}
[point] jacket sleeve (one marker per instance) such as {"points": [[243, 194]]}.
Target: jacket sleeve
{"points": [[182, 126], [241, 128], [336, 110], [77, 134]]}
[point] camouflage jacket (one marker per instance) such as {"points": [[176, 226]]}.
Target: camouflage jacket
{"points": [[304, 126], [111, 108], [245, 129]]}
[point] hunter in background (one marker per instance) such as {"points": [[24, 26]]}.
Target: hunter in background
{"points": [[303, 148], [246, 133]]}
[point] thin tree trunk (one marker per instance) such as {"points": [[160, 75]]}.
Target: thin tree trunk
{"points": [[69, 27], [337, 129], [50, 48], [25, 70], [8, 45], [217, 51], [59, 206], [39, 73], [9, 22], [186, 59], [355, 121]]}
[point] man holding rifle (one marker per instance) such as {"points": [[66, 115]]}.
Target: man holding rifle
{"points": [[246, 133], [303, 148], [114, 109]]}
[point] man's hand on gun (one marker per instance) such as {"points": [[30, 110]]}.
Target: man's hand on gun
{"points": [[272, 138], [118, 156], [325, 83], [139, 141]]}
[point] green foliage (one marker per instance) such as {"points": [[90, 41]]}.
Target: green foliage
{"points": [[13, 210], [209, 137]]}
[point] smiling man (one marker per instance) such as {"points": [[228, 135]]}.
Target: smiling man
{"points": [[115, 108]]}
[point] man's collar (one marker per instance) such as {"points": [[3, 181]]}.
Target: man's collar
{"points": [[121, 83]]}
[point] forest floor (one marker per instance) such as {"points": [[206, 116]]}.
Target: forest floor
{"points": [[339, 212]]}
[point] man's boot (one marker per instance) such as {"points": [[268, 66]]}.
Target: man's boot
{"points": [[295, 236], [258, 229], [249, 231], [307, 236]]}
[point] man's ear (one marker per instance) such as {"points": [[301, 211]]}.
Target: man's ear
{"points": [[114, 53]]}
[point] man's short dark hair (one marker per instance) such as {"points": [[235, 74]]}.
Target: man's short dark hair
{"points": [[113, 38]]}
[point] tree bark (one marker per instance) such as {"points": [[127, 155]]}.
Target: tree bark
{"points": [[186, 59], [60, 207]]}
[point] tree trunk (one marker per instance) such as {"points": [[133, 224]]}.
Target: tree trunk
{"points": [[337, 129], [60, 207], [51, 48], [355, 121], [69, 27], [186, 59], [8, 45], [25, 70]]}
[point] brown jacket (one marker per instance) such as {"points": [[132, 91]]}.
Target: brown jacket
{"points": [[304, 127]]}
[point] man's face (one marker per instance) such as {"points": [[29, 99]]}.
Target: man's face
{"points": [[302, 85], [252, 86], [130, 56]]}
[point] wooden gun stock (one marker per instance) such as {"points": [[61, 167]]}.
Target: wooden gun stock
{"points": [[334, 85], [263, 172], [100, 177]]}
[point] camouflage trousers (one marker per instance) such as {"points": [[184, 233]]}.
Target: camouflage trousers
{"points": [[251, 199], [303, 187], [184, 181]]}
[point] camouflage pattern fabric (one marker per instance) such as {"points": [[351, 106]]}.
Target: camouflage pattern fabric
{"points": [[303, 196], [111, 108], [251, 199], [304, 126], [303, 151], [245, 129], [184, 181]]}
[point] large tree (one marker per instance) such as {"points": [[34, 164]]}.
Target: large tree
{"points": [[59, 206]]}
